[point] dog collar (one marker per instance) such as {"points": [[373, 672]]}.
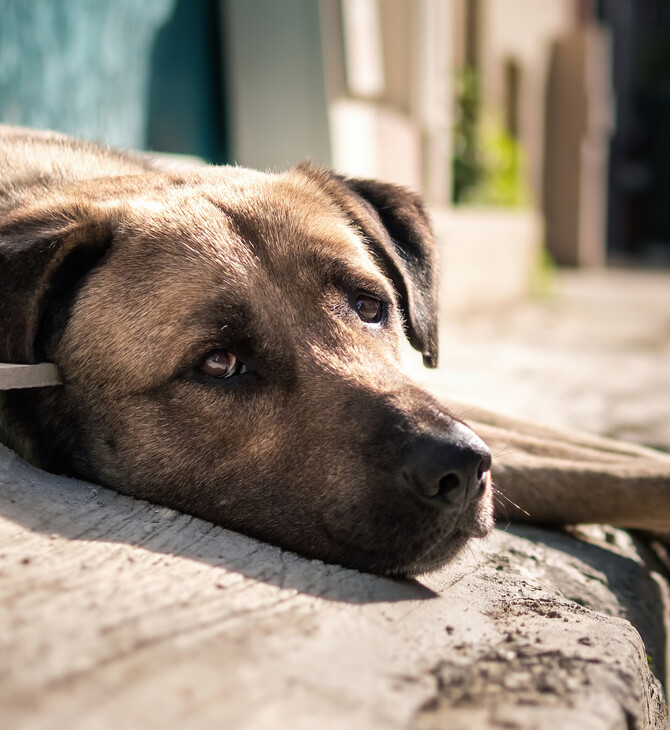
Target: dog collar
{"points": [[14, 376]]}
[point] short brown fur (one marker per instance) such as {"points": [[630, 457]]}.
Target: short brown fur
{"points": [[127, 277]]}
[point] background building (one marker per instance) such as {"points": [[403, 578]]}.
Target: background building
{"points": [[522, 123]]}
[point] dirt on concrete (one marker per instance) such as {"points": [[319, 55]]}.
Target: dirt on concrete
{"points": [[117, 613]]}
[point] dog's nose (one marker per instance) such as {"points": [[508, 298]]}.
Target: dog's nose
{"points": [[449, 469]]}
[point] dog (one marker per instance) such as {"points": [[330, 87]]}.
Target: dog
{"points": [[230, 345]]}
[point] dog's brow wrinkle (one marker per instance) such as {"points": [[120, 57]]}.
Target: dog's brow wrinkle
{"points": [[218, 204], [343, 272]]}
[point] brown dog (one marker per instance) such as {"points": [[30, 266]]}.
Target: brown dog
{"points": [[229, 343]]}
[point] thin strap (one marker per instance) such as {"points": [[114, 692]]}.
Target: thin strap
{"points": [[28, 376]]}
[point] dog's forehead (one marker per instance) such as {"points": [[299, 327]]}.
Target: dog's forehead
{"points": [[187, 260], [234, 236], [232, 215]]}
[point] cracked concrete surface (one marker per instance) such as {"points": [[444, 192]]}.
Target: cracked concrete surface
{"points": [[115, 612]]}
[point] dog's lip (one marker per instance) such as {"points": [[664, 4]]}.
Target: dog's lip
{"points": [[440, 554], [478, 528], [375, 555], [474, 522], [465, 523], [441, 550], [435, 557]]}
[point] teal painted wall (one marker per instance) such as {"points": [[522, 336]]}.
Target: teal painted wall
{"points": [[228, 80], [79, 66], [186, 90]]}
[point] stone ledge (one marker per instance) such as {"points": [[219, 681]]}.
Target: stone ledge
{"points": [[116, 612], [487, 256]]}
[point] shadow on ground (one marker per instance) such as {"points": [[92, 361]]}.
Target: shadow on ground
{"points": [[78, 510]]}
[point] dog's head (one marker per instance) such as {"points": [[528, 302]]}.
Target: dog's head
{"points": [[230, 344]]}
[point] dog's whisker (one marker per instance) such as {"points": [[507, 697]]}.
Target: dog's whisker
{"points": [[503, 450], [462, 415], [497, 494], [507, 453], [500, 503]]}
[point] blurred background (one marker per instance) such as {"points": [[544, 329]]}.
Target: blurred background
{"points": [[538, 132]]}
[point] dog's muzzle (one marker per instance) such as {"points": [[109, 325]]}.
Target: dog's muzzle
{"points": [[449, 470]]}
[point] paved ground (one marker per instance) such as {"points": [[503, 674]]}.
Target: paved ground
{"points": [[114, 612], [593, 355]]}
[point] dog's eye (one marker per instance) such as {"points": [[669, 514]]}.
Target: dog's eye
{"points": [[369, 309], [222, 364]]}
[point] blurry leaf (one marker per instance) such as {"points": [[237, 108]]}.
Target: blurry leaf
{"points": [[488, 163]]}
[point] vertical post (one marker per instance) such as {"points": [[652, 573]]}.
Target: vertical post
{"points": [[435, 87], [275, 81]]}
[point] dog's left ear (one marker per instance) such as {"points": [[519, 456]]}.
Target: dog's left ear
{"points": [[46, 253], [397, 229]]}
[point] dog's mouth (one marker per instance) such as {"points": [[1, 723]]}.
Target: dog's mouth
{"points": [[447, 550], [416, 547]]}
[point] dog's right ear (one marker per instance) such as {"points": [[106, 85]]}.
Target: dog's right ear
{"points": [[397, 231], [46, 253], [407, 252]]}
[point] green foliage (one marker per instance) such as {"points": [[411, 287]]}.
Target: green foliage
{"points": [[488, 162], [468, 169], [502, 183]]}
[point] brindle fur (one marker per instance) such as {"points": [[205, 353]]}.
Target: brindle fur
{"points": [[126, 277]]}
